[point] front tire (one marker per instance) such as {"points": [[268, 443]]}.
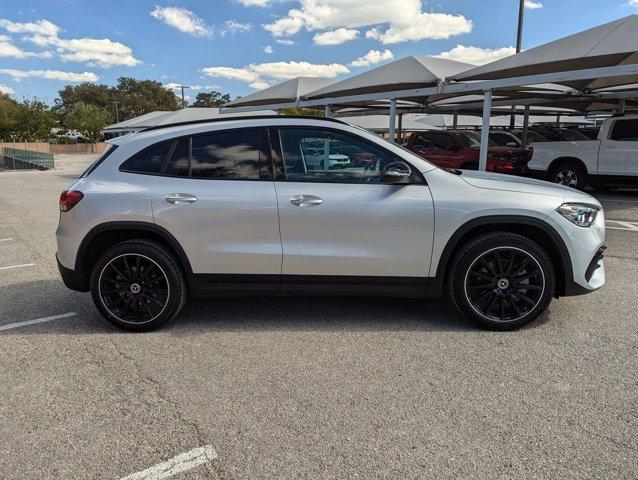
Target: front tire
{"points": [[501, 281], [138, 285]]}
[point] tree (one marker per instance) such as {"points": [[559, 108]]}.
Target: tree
{"points": [[99, 95], [210, 100], [310, 112], [8, 115], [89, 120], [137, 97], [33, 120]]}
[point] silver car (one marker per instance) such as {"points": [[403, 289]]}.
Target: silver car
{"points": [[229, 208]]}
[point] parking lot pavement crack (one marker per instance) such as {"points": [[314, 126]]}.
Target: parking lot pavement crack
{"points": [[163, 395], [622, 257]]}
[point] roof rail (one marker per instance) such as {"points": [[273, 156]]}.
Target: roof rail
{"points": [[241, 117]]}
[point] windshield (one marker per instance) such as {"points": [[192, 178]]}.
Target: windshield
{"points": [[473, 139]]}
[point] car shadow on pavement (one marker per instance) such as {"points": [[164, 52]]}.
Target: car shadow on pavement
{"points": [[44, 298]]}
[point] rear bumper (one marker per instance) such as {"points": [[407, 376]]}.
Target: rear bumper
{"points": [[71, 278]]}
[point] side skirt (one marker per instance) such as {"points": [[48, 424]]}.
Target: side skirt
{"points": [[205, 285]]}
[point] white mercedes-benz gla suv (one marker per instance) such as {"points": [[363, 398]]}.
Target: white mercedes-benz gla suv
{"points": [[231, 208]]}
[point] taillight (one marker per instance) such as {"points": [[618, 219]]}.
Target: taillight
{"points": [[69, 199]]}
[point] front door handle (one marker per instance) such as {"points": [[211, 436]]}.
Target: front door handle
{"points": [[305, 200], [180, 198]]}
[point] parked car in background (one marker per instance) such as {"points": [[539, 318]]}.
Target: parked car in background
{"points": [[505, 138], [532, 136], [459, 149], [228, 208], [610, 160]]}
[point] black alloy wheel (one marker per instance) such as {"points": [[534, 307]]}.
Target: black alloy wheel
{"points": [[138, 285], [501, 280], [134, 288], [504, 284]]}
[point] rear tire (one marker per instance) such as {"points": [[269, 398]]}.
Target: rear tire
{"points": [[138, 285], [501, 281], [570, 174]]}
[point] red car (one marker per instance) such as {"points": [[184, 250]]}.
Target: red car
{"points": [[459, 149]]}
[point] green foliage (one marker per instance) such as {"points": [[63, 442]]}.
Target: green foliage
{"points": [[137, 97], [211, 100], [309, 112], [8, 115], [89, 120], [33, 120]]}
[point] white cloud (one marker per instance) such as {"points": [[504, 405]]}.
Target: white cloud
{"points": [[269, 50], [335, 37], [254, 3], [41, 27], [8, 49], [50, 75], [6, 89], [255, 74], [233, 26], [372, 58], [405, 20], [183, 20], [476, 55], [101, 52], [633, 3], [285, 41], [533, 5]]}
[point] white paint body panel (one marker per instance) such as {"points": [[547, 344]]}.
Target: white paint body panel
{"points": [[359, 229]]}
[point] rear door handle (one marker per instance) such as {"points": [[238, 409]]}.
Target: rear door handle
{"points": [[305, 200], [180, 198]]}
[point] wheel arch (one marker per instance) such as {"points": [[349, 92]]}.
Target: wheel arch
{"points": [[108, 234], [533, 228], [567, 159]]}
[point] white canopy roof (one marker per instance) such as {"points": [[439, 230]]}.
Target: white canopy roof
{"points": [[288, 91], [406, 73], [611, 44]]}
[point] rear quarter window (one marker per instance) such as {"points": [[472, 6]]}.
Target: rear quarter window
{"points": [[149, 161], [625, 130]]}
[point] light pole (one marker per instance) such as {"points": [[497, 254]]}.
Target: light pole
{"points": [[519, 42], [183, 87], [117, 113]]}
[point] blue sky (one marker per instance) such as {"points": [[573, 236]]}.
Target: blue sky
{"points": [[237, 46]]}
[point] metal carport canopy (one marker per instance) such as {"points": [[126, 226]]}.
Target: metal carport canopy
{"points": [[285, 93]]}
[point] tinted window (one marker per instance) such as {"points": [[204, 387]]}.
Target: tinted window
{"points": [[230, 155], [177, 165], [110, 148], [573, 135], [424, 140], [444, 141], [317, 155], [625, 130], [149, 160], [502, 139]]}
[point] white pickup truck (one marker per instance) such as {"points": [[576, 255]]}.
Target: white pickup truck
{"points": [[610, 160]]}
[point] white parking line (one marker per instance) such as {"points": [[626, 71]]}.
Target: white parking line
{"points": [[181, 463], [23, 265], [630, 226], [5, 239], [11, 326]]}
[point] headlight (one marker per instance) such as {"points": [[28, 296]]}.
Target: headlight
{"points": [[578, 213]]}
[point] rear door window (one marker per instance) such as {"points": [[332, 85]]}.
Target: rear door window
{"points": [[226, 155]]}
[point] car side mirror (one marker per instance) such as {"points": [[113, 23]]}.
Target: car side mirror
{"points": [[396, 172]]}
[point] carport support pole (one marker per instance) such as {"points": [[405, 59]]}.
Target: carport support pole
{"points": [[393, 119], [455, 120], [525, 126], [485, 129], [326, 111], [621, 106]]}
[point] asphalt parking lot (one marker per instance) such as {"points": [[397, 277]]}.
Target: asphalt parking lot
{"points": [[309, 388]]}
